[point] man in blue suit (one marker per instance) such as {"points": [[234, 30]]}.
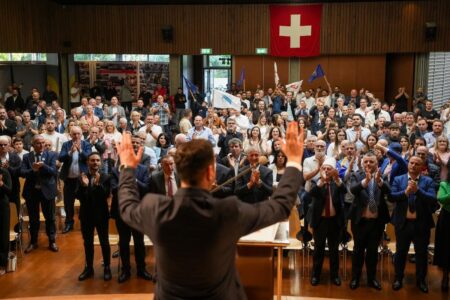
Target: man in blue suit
{"points": [[415, 198], [394, 164], [39, 170], [73, 156]]}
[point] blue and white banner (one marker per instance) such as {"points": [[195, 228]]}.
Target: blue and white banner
{"points": [[225, 100]]}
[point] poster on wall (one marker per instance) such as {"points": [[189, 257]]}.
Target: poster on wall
{"points": [[152, 73], [118, 73]]}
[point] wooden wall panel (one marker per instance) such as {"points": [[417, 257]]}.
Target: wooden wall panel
{"points": [[347, 28], [348, 72], [399, 72], [260, 70]]}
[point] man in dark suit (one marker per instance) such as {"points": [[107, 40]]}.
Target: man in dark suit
{"points": [[11, 162], [7, 126], [226, 136], [415, 198], [15, 102], [326, 217], [223, 174], [39, 170], [5, 192], [256, 185], [166, 181], [125, 231], [368, 214], [192, 229], [93, 191], [73, 157]]}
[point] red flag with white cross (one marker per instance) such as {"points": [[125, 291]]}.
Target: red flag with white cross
{"points": [[295, 30]]}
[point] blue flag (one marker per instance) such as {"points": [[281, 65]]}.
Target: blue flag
{"points": [[242, 78], [192, 87], [318, 72]]}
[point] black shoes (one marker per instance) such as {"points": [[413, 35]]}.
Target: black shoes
{"points": [[30, 248], [336, 281], [397, 285], [354, 284], [53, 247], [124, 276], [315, 281], [144, 275], [423, 286], [374, 284], [87, 273], [67, 228], [107, 273]]}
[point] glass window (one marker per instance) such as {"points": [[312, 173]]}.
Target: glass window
{"points": [[95, 57], [219, 61], [158, 58], [29, 57], [123, 57]]}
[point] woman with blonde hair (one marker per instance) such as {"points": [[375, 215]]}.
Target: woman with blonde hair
{"points": [[111, 137], [441, 154], [264, 126]]}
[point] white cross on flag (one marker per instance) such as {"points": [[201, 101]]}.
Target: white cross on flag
{"points": [[295, 30]]}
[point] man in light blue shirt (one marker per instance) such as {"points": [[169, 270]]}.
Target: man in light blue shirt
{"points": [[200, 132]]}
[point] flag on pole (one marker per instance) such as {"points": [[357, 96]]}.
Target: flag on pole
{"points": [[241, 81], [294, 87], [277, 78], [225, 100], [318, 72], [191, 86]]}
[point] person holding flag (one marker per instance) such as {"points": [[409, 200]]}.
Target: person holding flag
{"points": [[325, 96]]}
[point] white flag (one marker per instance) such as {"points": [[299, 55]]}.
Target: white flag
{"points": [[277, 78], [294, 87], [225, 100]]}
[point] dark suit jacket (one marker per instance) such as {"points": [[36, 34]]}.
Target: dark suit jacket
{"points": [[156, 183], [94, 199], [257, 193], [362, 198], [45, 177], [426, 202], [318, 196], [141, 181], [193, 229], [100, 146], [66, 158], [19, 104], [11, 128], [223, 174], [14, 171]]}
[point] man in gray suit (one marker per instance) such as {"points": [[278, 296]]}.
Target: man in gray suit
{"points": [[192, 229]]}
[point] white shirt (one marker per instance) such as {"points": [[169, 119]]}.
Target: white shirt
{"points": [[76, 99], [174, 184], [351, 135], [310, 164], [370, 117], [150, 141], [54, 139]]}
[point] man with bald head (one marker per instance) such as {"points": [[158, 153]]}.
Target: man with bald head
{"points": [[39, 170], [73, 156]]}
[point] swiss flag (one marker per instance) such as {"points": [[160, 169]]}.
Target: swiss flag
{"points": [[295, 30]]}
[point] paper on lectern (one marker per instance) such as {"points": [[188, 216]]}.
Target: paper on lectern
{"points": [[266, 234]]}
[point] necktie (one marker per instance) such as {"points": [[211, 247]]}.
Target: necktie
{"points": [[169, 187], [372, 204], [328, 202], [38, 157]]}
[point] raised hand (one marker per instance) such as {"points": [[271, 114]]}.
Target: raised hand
{"points": [[97, 179], [1, 180], [126, 152], [378, 176], [293, 146], [84, 179]]}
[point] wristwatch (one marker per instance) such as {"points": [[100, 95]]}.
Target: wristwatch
{"points": [[121, 167]]}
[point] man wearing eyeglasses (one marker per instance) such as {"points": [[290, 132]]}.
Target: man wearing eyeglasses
{"points": [[39, 170]]}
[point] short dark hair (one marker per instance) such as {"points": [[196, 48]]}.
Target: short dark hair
{"points": [[194, 155], [92, 154]]}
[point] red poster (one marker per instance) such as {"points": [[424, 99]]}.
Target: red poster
{"points": [[295, 30]]}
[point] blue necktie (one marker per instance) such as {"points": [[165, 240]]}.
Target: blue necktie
{"points": [[372, 203], [412, 203]]}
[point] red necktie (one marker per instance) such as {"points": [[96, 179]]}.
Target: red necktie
{"points": [[328, 202], [169, 187]]}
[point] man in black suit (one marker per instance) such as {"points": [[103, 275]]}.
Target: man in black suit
{"points": [[15, 102], [11, 162], [166, 181], [39, 170], [93, 191], [5, 192], [256, 185], [326, 217], [368, 214], [7, 126], [125, 231], [415, 198], [226, 136], [192, 229], [223, 174]]}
